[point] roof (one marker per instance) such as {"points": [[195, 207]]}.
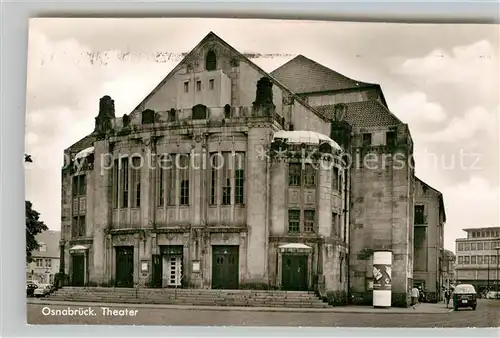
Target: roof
{"points": [[51, 239], [305, 136], [303, 75], [482, 228], [210, 36], [85, 152], [364, 114], [83, 143], [440, 196]]}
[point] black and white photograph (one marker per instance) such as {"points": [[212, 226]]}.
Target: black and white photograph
{"points": [[251, 172]]}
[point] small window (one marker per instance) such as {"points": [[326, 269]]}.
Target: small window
{"points": [[479, 246], [211, 84], [473, 260], [198, 86], [211, 61], [479, 259], [294, 173], [293, 220], [460, 259], [390, 138], [309, 220], [309, 175], [186, 87], [367, 140], [473, 246], [419, 215]]}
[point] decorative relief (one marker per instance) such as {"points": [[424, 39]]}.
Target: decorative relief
{"points": [[294, 197], [83, 205]]}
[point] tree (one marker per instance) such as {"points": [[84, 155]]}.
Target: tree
{"points": [[34, 225]]}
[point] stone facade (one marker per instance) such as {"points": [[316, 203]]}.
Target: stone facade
{"points": [[271, 216], [430, 259]]}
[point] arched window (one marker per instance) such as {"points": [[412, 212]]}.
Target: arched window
{"points": [[211, 61]]}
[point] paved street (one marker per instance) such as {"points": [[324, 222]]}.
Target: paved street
{"points": [[486, 315]]}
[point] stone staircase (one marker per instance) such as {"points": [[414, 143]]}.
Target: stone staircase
{"points": [[199, 297]]}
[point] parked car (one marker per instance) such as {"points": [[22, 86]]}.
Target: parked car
{"points": [[43, 290], [464, 296], [30, 289], [492, 295]]}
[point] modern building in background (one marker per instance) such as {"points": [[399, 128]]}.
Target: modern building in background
{"points": [[45, 262], [429, 220], [477, 258], [241, 207]]}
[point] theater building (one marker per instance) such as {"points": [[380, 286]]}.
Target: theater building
{"points": [[227, 177]]}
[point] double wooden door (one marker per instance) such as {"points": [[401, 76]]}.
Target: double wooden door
{"points": [[78, 270], [225, 267], [124, 266], [294, 273]]}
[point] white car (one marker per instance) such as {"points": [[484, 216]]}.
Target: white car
{"points": [[42, 290], [492, 295]]}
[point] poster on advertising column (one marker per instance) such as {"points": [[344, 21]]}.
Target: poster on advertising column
{"points": [[382, 277]]}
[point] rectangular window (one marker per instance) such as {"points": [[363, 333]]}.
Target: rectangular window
{"points": [[81, 226], [479, 259], [74, 188], [309, 220], [39, 263], [293, 220], [214, 175], [334, 225], [198, 86], [239, 194], [294, 173], [335, 179], [460, 246], [184, 178], [367, 140], [124, 182], [466, 260], [186, 87], [161, 180], [309, 175], [487, 246], [48, 263], [467, 246], [473, 259], [460, 259], [226, 178], [211, 84], [170, 175], [473, 234], [419, 214], [116, 186], [390, 138], [136, 182], [486, 259], [479, 246], [493, 259]]}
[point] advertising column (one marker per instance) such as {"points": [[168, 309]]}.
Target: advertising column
{"points": [[382, 275]]}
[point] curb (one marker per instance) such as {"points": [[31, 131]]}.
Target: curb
{"points": [[230, 308]]}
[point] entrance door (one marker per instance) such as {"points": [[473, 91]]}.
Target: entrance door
{"points": [[172, 256], [294, 273], [78, 270], [225, 267], [125, 266], [157, 271], [174, 270]]}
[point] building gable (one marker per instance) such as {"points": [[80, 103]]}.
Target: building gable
{"points": [[227, 61]]}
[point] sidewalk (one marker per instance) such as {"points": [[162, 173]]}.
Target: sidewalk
{"points": [[420, 308]]}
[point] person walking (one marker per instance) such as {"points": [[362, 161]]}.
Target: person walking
{"points": [[447, 296], [414, 297]]}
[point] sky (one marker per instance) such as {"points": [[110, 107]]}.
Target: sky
{"points": [[443, 80]]}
